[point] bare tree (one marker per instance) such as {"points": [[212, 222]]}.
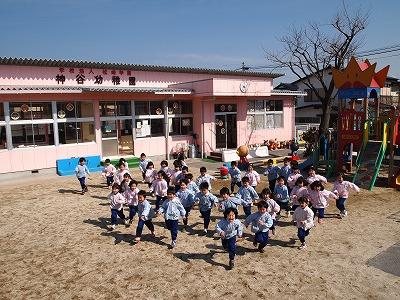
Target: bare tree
{"points": [[311, 51]]}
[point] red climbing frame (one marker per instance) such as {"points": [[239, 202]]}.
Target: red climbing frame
{"points": [[350, 125]]}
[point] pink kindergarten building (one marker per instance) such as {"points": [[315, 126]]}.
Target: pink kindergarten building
{"points": [[54, 109]]}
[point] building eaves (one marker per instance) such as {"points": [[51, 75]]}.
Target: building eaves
{"points": [[77, 89], [132, 67], [275, 92]]}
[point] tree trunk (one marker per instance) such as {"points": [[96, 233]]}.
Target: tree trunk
{"points": [[326, 115]]}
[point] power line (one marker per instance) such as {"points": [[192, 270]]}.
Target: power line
{"points": [[361, 53], [364, 54]]}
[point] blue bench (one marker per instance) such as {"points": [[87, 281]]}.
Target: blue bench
{"points": [[67, 166]]}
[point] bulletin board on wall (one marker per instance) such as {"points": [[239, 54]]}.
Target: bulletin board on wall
{"points": [[142, 128]]}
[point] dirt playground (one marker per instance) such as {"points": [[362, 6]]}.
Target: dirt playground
{"points": [[56, 244]]}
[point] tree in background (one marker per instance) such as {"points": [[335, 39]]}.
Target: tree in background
{"points": [[311, 51]]}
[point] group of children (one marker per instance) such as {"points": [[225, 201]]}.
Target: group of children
{"points": [[176, 194]]}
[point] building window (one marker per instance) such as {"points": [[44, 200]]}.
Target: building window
{"points": [[157, 127], [30, 110], [115, 108], [264, 114], [31, 124], [181, 126], [149, 118], [1, 112], [75, 122], [76, 132], [32, 135], [3, 137], [74, 109], [181, 117]]}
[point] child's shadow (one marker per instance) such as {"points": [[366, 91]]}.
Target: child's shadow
{"points": [[101, 222], [286, 223], [119, 237], [64, 191], [332, 216], [240, 250], [96, 186], [191, 231], [288, 244], [155, 240], [99, 197], [207, 257]]}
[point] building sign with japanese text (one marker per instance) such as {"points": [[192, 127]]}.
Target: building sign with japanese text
{"points": [[86, 76]]}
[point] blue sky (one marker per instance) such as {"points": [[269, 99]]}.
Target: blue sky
{"points": [[196, 33]]}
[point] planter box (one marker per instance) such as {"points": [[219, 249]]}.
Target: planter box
{"points": [[231, 155]]}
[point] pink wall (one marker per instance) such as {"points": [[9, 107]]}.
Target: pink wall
{"points": [[33, 158], [209, 89], [228, 87], [244, 135], [45, 76], [153, 146]]}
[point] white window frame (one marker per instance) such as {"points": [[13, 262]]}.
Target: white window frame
{"points": [[265, 113], [73, 120]]}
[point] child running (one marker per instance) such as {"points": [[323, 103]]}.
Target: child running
{"points": [[253, 176], [108, 172], [248, 195], [204, 177], [143, 165], [192, 186], [294, 175], [206, 202], [145, 213], [341, 188], [151, 173], [117, 201], [312, 176], [176, 175], [260, 222], [227, 201], [272, 172], [228, 229], [286, 169], [299, 190], [236, 176], [281, 195], [172, 209], [125, 182], [131, 196], [159, 187], [81, 172], [119, 175], [319, 199], [304, 218], [273, 207], [186, 197], [167, 170]]}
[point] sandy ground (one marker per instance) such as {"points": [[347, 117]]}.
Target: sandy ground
{"points": [[55, 243]]}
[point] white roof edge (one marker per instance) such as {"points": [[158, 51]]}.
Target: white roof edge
{"points": [[288, 93]]}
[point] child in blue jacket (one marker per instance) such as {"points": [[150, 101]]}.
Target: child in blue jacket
{"points": [[228, 229], [172, 209], [206, 201], [261, 222]]}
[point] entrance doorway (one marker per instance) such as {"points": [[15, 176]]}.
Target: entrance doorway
{"points": [[116, 128], [225, 126]]}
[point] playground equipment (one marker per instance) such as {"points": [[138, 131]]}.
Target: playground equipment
{"points": [[368, 131], [370, 158], [322, 157]]}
